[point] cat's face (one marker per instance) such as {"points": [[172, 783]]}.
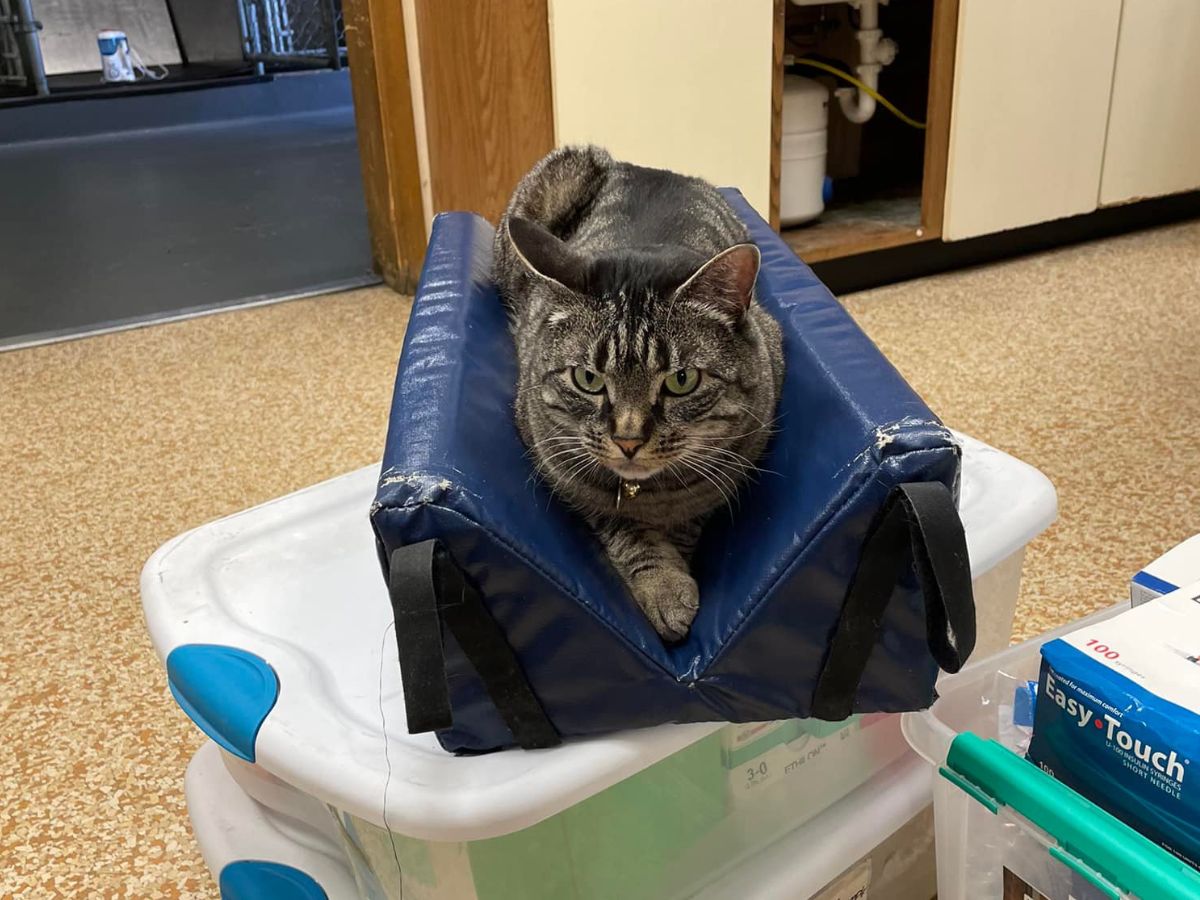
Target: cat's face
{"points": [[638, 366]]}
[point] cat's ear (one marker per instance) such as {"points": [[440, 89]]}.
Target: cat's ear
{"points": [[724, 284], [545, 255]]}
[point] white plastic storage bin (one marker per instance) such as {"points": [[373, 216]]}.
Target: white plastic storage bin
{"points": [[297, 680], [802, 150], [987, 848], [875, 842], [257, 851]]}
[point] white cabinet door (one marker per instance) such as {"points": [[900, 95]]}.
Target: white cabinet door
{"points": [[1027, 130], [677, 84], [1154, 124]]}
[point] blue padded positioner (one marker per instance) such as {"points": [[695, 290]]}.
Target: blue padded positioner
{"points": [[226, 691], [773, 579], [252, 879]]}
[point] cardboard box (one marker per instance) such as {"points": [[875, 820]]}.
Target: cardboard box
{"points": [[1178, 566], [1118, 717]]}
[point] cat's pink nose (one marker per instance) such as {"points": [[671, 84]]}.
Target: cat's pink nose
{"points": [[629, 446]]}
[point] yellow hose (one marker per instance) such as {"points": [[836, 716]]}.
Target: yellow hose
{"points": [[865, 88]]}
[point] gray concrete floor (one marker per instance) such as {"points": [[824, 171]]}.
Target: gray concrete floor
{"points": [[111, 228]]}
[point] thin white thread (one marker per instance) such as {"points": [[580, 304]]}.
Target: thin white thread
{"points": [[136, 59], [387, 781]]}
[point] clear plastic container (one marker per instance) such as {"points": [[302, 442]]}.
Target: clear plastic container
{"points": [[653, 813], [986, 847]]}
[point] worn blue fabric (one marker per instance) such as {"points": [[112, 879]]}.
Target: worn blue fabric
{"points": [[773, 575]]}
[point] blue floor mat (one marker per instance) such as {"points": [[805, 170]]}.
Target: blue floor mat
{"points": [[109, 227]]}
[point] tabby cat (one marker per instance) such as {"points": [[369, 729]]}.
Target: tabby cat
{"points": [[648, 376]]}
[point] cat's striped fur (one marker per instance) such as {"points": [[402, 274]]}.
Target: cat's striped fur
{"points": [[625, 276]]}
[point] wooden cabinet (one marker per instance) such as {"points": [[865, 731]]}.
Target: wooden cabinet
{"points": [[1063, 107], [695, 86], [1033, 111], [1153, 144], [1029, 112]]}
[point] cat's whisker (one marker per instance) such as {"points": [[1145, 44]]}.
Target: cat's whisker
{"points": [[564, 481], [724, 485], [743, 464], [745, 408], [541, 461], [535, 476], [744, 434], [556, 439], [533, 452], [731, 477], [580, 469], [563, 452], [728, 480], [670, 467], [700, 444], [719, 488], [559, 483], [705, 455], [739, 472], [576, 464]]}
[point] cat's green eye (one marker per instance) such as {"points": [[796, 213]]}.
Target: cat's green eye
{"points": [[682, 382], [586, 380]]}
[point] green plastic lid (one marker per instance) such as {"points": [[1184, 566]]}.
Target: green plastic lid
{"points": [[1106, 851]]}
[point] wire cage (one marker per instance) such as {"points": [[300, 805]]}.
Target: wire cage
{"points": [[20, 51], [12, 69], [293, 32]]}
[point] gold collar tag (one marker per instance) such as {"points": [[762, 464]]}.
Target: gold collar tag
{"points": [[627, 489]]}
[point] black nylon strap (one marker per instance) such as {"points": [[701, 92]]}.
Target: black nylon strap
{"points": [[920, 518], [427, 589], [419, 637]]}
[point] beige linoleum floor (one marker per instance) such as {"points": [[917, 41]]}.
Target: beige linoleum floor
{"points": [[1081, 361]]}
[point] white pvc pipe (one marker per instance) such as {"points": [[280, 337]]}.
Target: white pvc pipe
{"points": [[873, 54], [868, 15], [857, 106]]}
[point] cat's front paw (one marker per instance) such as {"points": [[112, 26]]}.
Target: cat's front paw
{"points": [[669, 598]]}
